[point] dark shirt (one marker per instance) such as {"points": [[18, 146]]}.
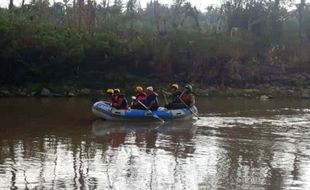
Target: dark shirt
{"points": [[174, 97], [151, 101]]}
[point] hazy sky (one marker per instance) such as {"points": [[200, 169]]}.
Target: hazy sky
{"points": [[201, 4]]}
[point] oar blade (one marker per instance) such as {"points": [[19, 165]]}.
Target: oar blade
{"points": [[157, 117], [153, 114]]}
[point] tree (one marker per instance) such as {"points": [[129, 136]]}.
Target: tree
{"points": [[11, 5], [301, 11]]}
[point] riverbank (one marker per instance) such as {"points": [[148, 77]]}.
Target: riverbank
{"points": [[263, 92]]}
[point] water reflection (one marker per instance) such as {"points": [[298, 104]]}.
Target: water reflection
{"points": [[231, 150], [108, 156], [258, 152], [146, 135]]}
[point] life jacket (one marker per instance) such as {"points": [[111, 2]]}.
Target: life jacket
{"points": [[119, 102], [175, 97], [140, 96], [114, 98], [152, 96], [188, 99], [152, 101]]}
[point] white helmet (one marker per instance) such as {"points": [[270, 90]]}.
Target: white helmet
{"points": [[150, 88]]}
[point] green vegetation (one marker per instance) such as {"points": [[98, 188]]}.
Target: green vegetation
{"points": [[239, 44]]}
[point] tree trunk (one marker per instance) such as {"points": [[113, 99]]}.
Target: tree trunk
{"points": [[156, 15], [11, 5], [80, 12], [301, 9]]}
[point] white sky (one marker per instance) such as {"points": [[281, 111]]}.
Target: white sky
{"points": [[200, 4]]}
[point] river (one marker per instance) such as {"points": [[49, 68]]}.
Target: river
{"points": [[236, 144]]}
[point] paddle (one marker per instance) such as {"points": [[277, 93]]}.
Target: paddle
{"points": [[165, 97], [153, 114], [187, 106]]}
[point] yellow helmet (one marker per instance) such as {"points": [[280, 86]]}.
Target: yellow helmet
{"points": [[110, 91], [139, 89], [117, 90], [175, 86]]}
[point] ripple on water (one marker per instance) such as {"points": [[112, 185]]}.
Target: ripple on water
{"points": [[285, 135], [235, 150]]}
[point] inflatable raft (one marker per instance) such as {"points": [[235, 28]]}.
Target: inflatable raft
{"points": [[106, 111]]}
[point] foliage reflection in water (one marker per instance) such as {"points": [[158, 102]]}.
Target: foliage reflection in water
{"points": [[242, 149]]}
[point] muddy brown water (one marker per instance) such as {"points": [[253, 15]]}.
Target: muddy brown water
{"points": [[236, 144]]}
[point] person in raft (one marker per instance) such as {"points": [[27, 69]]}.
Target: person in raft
{"points": [[173, 96], [119, 100], [181, 100], [140, 96], [110, 94], [188, 97], [151, 100]]}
